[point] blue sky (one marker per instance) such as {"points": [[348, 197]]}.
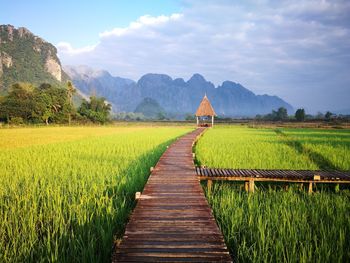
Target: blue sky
{"points": [[296, 49], [76, 21]]}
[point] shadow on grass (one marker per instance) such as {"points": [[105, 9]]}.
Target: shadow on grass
{"points": [[322, 162]]}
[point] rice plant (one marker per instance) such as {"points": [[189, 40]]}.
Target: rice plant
{"points": [[283, 226], [273, 225], [247, 148], [66, 200]]}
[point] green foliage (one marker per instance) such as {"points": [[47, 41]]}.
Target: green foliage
{"points": [[151, 109], [273, 225], [65, 201], [29, 56], [280, 115], [130, 116], [241, 147], [96, 110], [283, 226], [16, 121], [190, 117], [296, 149], [18, 103], [45, 103], [300, 115], [328, 115]]}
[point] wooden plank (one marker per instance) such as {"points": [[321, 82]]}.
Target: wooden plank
{"points": [[277, 175], [264, 179], [172, 221]]}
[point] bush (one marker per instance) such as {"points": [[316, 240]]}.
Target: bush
{"points": [[16, 121]]}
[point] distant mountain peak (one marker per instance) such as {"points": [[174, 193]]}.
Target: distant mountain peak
{"points": [[178, 98], [236, 86], [179, 81], [197, 77], [155, 78]]}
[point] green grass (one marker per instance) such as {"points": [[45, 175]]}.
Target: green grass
{"points": [[329, 149], [63, 201], [273, 225], [283, 226], [295, 149]]}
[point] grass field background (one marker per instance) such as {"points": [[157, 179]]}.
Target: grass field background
{"points": [[274, 225], [64, 192], [295, 149]]}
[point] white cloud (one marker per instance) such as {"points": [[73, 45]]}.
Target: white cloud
{"points": [[294, 49], [67, 49], [143, 22]]}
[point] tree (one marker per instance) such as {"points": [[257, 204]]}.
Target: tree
{"points": [[319, 116], [3, 116], [96, 110], [300, 115], [54, 101], [328, 115], [18, 102], [161, 116], [70, 92], [190, 117], [282, 114]]}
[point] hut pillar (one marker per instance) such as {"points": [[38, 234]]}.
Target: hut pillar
{"points": [[197, 120], [212, 121]]}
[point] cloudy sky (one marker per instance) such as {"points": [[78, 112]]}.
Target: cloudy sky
{"points": [[297, 49]]}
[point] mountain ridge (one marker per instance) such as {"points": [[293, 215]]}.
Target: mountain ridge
{"points": [[25, 57], [177, 96]]}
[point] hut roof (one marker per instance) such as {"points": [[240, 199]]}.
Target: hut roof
{"points": [[205, 108]]}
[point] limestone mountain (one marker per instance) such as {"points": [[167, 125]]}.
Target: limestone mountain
{"points": [[150, 108], [25, 57], [179, 97], [98, 82]]}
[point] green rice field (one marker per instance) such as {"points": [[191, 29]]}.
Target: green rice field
{"points": [[294, 149], [275, 225], [66, 193]]}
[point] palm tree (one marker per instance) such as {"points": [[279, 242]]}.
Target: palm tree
{"points": [[70, 92]]}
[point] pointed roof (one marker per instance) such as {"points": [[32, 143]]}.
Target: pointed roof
{"points": [[205, 108]]}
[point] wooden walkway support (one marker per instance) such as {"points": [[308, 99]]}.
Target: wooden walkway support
{"points": [[172, 220], [249, 176]]}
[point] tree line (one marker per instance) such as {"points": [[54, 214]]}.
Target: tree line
{"points": [[300, 115], [26, 103]]}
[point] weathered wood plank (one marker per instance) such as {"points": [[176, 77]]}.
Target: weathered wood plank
{"points": [[277, 175], [172, 221]]}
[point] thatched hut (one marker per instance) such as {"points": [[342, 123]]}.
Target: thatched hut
{"points": [[204, 112]]}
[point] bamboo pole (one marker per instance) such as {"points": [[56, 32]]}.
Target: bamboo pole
{"points": [[209, 185], [251, 186], [310, 187], [246, 186]]}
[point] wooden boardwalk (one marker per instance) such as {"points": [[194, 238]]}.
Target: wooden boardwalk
{"points": [[250, 176], [273, 175], [172, 220]]}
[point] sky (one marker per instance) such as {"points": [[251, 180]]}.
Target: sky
{"points": [[298, 50]]}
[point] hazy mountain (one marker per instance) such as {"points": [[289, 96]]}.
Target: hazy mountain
{"points": [[100, 82], [25, 57], [150, 108], [176, 96]]}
